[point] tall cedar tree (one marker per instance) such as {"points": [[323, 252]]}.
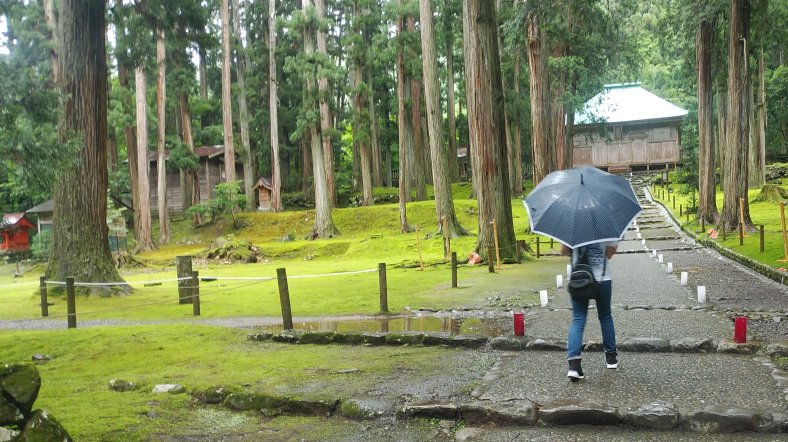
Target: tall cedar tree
{"points": [[402, 123], [80, 247], [541, 148], [242, 65], [444, 203], [161, 107], [227, 100], [485, 115], [448, 33], [707, 199], [326, 127], [738, 123], [144, 238], [273, 100]]}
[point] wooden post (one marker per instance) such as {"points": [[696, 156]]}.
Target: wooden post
{"points": [[184, 272], [497, 248], [284, 299], [551, 243], [762, 244], [195, 289], [538, 242], [42, 288], [384, 294], [674, 202], [453, 270], [785, 237], [71, 303], [490, 254], [418, 245], [681, 212]]}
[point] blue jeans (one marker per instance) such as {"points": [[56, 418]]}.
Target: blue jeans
{"points": [[579, 314]]}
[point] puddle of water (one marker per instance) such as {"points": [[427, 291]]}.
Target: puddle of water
{"points": [[490, 327]]}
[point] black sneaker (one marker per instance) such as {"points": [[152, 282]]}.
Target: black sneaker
{"points": [[575, 372], [612, 360]]}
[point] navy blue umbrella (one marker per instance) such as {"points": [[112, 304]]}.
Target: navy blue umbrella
{"points": [[582, 206]]}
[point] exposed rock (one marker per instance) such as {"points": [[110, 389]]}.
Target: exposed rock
{"points": [[287, 337], [169, 388], [511, 412], [430, 410], [21, 383], [509, 343], [593, 347], [730, 346], [42, 427], [244, 401], [547, 344], [41, 359], [693, 345], [435, 339], [213, 395], [263, 336], [466, 434], [311, 337], [644, 345], [716, 419], [404, 338], [358, 408], [574, 412], [468, 341], [9, 413], [777, 349], [312, 406], [121, 385], [7, 434], [656, 415]]}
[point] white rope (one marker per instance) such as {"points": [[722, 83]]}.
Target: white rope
{"points": [[235, 278], [107, 284], [19, 284], [331, 274]]}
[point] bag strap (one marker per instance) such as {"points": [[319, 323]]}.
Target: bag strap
{"points": [[581, 255]]}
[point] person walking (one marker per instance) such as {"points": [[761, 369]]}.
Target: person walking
{"points": [[598, 255]]}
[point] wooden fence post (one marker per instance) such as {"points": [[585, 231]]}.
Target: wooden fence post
{"points": [[71, 303], [538, 252], [453, 270], [681, 210], [43, 290], [195, 293], [184, 270], [384, 293], [284, 299]]}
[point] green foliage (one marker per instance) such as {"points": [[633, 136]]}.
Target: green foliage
{"points": [[229, 200], [182, 159], [41, 245]]}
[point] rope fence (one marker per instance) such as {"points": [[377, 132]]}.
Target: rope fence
{"points": [[189, 287]]}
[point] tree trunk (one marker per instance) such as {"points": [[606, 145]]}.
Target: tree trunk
{"points": [[537, 61], [377, 163], [448, 30], [191, 189], [54, 40], [273, 99], [737, 133], [720, 142], [324, 224], [326, 128], [517, 137], [203, 74], [144, 238], [507, 114], [227, 100], [80, 246], [444, 203], [130, 132], [487, 137], [419, 171], [242, 64], [758, 170], [402, 119], [361, 123], [707, 200], [161, 169]]}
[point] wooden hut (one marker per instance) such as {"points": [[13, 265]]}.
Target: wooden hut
{"points": [[627, 128], [210, 173], [263, 188], [14, 235], [44, 212]]}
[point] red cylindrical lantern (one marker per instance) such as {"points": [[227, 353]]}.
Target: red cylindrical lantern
{"points": [[740, 329], [519, 324]]}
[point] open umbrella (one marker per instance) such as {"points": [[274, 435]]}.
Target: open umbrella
{"points": [[582, 206]]}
